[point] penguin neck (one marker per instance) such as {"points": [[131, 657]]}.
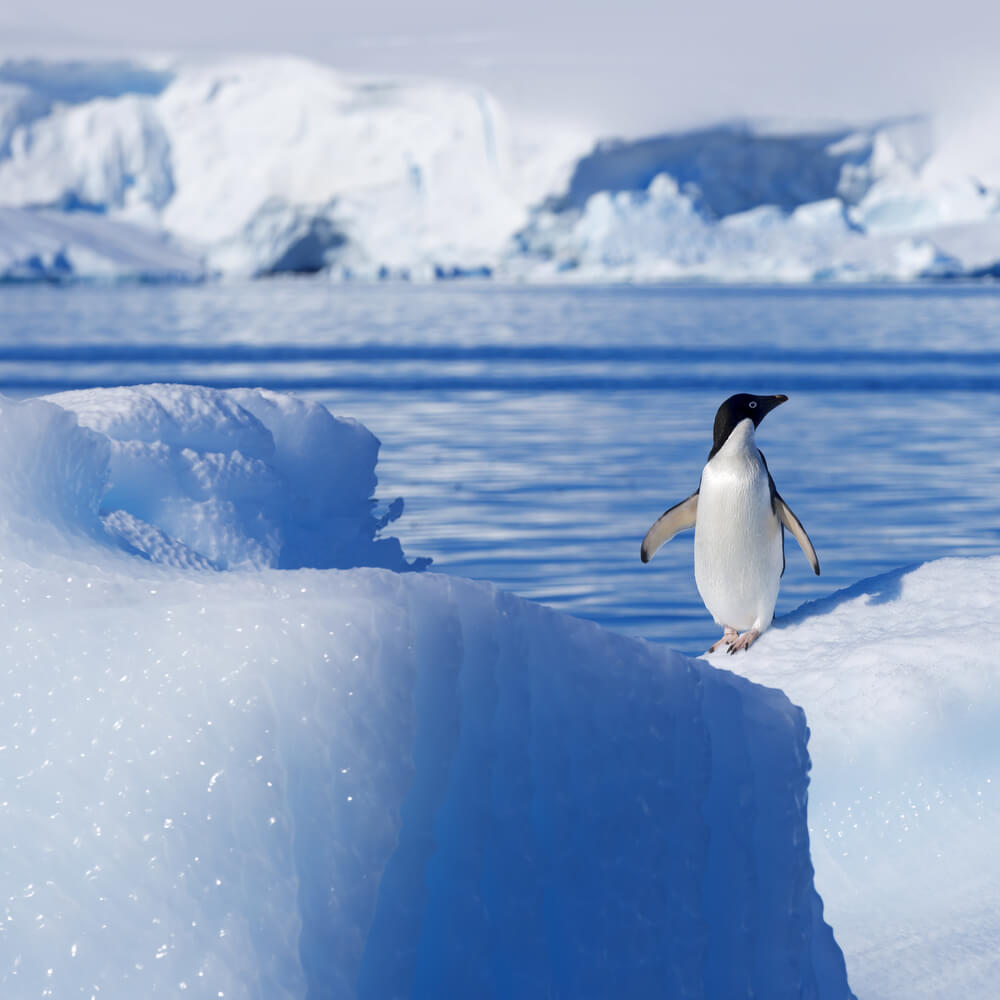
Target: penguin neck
{"points": [[741, 445]]}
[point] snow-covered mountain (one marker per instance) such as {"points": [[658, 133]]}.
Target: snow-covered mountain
{"points": [[262, 165]]}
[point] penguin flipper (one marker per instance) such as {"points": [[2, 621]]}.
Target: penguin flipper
{"points": [[680, 516], [794, 525]]}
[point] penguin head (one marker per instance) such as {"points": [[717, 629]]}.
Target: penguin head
{"points": [[736, 409]]}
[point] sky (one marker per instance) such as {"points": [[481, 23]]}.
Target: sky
{"points": [[628, 68]]}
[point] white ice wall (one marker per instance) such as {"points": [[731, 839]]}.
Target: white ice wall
{"points": [[271, 164], [241, 155]]}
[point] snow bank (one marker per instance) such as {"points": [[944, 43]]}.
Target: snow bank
{"points": [[271, 165], [356, 783], [900, 681]]}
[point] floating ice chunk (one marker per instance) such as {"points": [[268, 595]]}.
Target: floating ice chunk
{"points": [[357, 783]]}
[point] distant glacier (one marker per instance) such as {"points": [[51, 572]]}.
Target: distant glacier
{"points": [[182, 168]]}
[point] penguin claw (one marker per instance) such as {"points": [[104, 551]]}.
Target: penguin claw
{"points": [[744, 642], [729, 636]]}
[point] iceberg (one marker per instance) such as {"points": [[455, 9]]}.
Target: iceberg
{"points": [[220, 777], [266, 165], [746, 202], [247, 157]]}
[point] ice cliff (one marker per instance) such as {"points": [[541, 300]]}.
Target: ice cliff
{"points": [[353, 783], [276, 164], [266, 165]]}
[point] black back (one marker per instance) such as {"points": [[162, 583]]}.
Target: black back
{"points": [[774, 495], [735, 410]]}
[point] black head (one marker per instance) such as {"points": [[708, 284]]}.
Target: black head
{"points": [[736, 409]]}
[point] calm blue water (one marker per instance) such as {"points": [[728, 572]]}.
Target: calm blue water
{"points": [[536, 433]]}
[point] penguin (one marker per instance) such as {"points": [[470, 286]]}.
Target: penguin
{"points": [[739, 522]]}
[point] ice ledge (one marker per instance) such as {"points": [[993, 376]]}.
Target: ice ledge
{"points": [[374, 784], [900, 680]]}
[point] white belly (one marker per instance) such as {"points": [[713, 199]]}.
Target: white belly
{"points": [[737, 542]]}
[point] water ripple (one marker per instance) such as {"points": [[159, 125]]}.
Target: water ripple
{"points": [[493, 367]]}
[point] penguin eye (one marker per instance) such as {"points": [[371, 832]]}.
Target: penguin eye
{"points": [[753, 405]]}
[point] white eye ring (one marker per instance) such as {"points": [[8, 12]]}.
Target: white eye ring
{"points": [[753, 406]]}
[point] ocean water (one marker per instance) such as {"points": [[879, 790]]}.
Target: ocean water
{"points": [[536, 433]]}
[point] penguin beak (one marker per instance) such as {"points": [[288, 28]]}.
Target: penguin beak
{"points": [[768, 403]]}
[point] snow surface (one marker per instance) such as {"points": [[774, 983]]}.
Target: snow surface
{"points": [[270, 164], [286, 783], [900, 681]]}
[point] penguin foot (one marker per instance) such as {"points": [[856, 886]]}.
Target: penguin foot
{"points": [[745, 641], [729, 636]]}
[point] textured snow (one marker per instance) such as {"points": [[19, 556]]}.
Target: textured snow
{"points": [[243, 478], [270, 164], [289, 783], [899, 679]]}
